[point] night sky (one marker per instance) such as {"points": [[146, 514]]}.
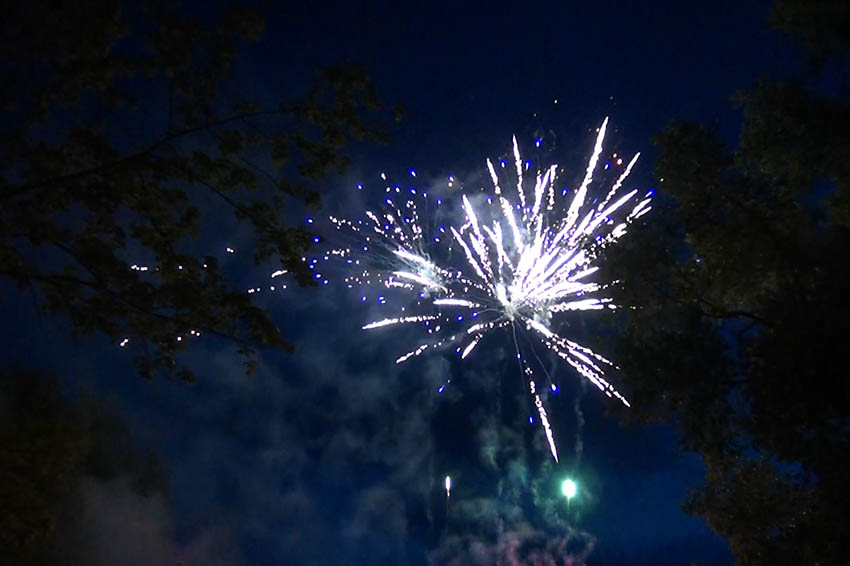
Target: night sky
{"points": [[335, 455]]}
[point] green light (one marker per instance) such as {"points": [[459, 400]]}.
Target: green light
{"points": [[569, 488]]}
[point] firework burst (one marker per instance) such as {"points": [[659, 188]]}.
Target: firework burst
{"points": [[527, 253]]}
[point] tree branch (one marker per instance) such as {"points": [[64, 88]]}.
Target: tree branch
{"points": [[16, 190], [118, 298], [726, 314]]}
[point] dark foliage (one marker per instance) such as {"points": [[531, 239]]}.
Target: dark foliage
{"points": [[120, 145], [739, 283], [48, 447]]}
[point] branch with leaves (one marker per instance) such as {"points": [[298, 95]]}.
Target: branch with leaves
{"points": [[83, 202]]}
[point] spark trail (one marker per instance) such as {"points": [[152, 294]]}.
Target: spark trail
{"points": [[528, 251]]}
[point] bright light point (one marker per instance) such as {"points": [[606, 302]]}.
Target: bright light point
{"points": [[569, 488], [448, 484]]}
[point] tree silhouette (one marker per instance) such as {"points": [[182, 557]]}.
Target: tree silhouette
{"points": [[123, 142], [49, 446], [741, 312]]}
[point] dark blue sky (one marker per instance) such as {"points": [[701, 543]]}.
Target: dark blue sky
{"points": [[332, 456]]}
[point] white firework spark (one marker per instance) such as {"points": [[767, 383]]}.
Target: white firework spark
{"points": [[526, 258]]}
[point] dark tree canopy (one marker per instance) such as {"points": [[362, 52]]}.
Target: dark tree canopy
{"points": [[122, 141], [49, 446], [739, 283]]}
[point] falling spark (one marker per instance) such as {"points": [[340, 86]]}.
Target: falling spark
{"points": [[448, 486], [544, 420], [523, 260]]}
